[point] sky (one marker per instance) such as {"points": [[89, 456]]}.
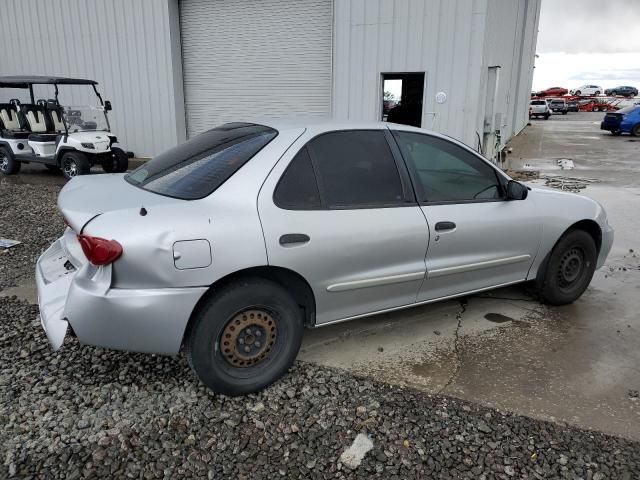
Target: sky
{"points": [[588, 42]]}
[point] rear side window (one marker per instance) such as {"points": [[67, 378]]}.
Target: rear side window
{"points": [[356, 169], [197, 167], [297, 188]]}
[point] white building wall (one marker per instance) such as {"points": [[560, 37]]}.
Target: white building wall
{"points": [[129, 47], [510, 41], [453, 42]]}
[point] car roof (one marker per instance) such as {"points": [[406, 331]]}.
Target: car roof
{"points": [[23, 81]]}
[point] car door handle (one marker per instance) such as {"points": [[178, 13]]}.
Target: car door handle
{"points": [[294, 238], [442, 226]]}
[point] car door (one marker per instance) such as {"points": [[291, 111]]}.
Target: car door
{"points": [[338, 209], [477, 238]]}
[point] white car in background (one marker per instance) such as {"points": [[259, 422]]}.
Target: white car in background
{"points": [[586, 90]]}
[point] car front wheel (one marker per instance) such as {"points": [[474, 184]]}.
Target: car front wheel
{"points": [[244, 337], [74, 164], [636, 130], [569, 268]]}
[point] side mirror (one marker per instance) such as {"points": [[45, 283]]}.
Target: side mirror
{"points": [[516, 190], [107, 105]]}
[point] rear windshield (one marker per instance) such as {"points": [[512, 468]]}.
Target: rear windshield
{"points": [[197, 167], [558, 101], [538, 102]]}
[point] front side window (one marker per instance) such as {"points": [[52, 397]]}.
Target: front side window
{"points": [[356, 169], [197, 167], [446, 172]]}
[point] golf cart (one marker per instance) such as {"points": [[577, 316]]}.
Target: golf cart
{"points": [[71, 139]]}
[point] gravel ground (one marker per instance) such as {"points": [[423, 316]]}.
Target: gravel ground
{"points": [[29, 214], [84, 412]]}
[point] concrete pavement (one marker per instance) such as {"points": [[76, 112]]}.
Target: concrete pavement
{"points": [[578, 364]]}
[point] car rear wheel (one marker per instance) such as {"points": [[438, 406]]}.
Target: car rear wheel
{"points": [[597, 92], [117, 162], [8, 164], [578, 92], [244, 337], [569, 268], [74, 164], [636, 130]]}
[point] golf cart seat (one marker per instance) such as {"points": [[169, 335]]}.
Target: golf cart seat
{"points": [[13, 135], [35, 117], [54, 113], [43, 137], [9, 116]]}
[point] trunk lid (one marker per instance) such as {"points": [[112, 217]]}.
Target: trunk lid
{"points": [[88, 196]]}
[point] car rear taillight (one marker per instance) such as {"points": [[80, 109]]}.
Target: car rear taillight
{"points": [[100, 251]]}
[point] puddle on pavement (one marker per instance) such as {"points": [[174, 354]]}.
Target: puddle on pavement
{"points": [[498, 318]]}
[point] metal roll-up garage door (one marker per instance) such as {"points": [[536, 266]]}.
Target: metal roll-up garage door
{"points": [[250, 58]]}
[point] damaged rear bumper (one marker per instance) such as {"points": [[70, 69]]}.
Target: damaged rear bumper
{"points": [[81, 296]]}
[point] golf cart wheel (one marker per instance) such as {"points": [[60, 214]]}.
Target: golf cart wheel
{"points": [[636, 130], [74, 164], [569, 268], [8, 164], [244, 336], [117, 162]]}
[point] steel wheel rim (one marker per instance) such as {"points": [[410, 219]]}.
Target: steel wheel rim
{"points": [[4, 162], [70, 168], [572, 267], [248, 338]]}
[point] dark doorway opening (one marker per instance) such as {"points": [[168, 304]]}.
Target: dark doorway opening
{"points": [[402, 95]]}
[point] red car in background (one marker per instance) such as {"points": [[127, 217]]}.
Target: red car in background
{"points": [[553, 92]]}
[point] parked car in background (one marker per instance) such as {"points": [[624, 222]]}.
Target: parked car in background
{"points": [[552, 92], [539, 108], [557, 105], [573, 106], [625, 91], [625, 120], [228, 245], [587, 90]]}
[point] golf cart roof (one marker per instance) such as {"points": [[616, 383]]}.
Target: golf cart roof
{"points": [[23, 81]]}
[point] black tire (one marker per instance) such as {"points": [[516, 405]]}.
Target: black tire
{"points": [[578, 92], [565, 112], [546, 117], [568, 269], [53, 168], [117, 162], [616, 133], [8, 164], [246, 306], [74, 164], [597, 92], [613, 93], [636, 130]]}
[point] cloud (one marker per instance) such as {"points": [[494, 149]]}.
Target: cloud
{"points": [[589, 26], [571, 70], [633, 75]]}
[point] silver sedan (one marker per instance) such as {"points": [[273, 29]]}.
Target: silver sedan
{"points": [[228, 245]]}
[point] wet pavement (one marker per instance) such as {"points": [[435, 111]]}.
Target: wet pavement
{"points": [[578, 364]]}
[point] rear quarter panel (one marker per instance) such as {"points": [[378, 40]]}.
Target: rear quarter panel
{"points": [[227, 219]]}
